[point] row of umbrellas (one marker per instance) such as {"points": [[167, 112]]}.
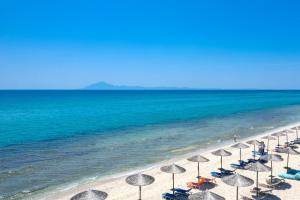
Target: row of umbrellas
{"points": [[235, 180]]}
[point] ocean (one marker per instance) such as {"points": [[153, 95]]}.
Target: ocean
{"points": [[55, 138]]}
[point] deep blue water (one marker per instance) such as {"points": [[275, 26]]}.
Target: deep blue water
{"points": [[50, 138]]}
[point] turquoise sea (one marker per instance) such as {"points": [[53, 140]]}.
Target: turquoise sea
{"points": [[55, 138]]}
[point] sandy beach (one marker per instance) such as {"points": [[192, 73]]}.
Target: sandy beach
{"points": [[118, 189]]}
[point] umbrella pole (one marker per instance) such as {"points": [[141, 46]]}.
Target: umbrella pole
{"points": [[257, 183], [268, 145], [278, 141], [237, 193], [297, 133], [173, 184], [140, 192], [240, 155], [221, 163], [254, 153], [287, 163], [198, 171], [271, 171]]}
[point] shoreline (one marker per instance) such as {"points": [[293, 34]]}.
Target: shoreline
{"points": [[89, 182]]}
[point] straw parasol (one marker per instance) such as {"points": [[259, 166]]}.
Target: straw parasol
{"points": [[296, 129], [237, 181], [287, 131], [198, 159], [173, 169], [205, 195], [288, 151], [254, 143], [221, 153], [271, 158], [90, 195], [240, 146], [140, 180], [257, 167], [278, 134], [268, 138]]}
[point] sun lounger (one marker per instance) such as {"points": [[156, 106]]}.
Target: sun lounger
{"points": [[292, 174], [201, 181], [168, 196], [242, 164], [222, 173], [182, 191]]}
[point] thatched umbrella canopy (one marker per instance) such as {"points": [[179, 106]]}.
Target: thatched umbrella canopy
{"points": [[268, 138], [257, 167], [278, 134], [240, 146], [205, 195], [271, 158], [296, 129], [237, 181], [198, 159], [173, 169], [254, 143], [221, 153], [287, 132], [90, 195], [288, 151], [140, 180]]}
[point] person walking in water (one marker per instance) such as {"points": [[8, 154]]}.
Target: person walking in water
{"points": [[235, 137]]}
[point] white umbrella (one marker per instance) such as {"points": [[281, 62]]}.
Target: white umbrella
{"points": [[90, 195], [278, 134], [271, 158], [268, 138], [296, 129], [205, 195], [221, 153], [254, 143], [257, 167], [237, 181], [240, 146], [173, 169], [198, 159], [288, 151], [140, 180]]}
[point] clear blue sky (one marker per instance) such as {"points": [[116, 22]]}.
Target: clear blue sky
{"points": [[193, 43]]}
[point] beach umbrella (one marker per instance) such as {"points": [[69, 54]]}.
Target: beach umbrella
{"points": [[296, 129], [237, 181], [240, 146], [173, 169], [257, 167], [198, 159], [287, 135], [271, 158], [254, 143], [268, 138], [205, 195], [140, 180], [288, 151], [278, 134], [221, 153], [90, 195]]}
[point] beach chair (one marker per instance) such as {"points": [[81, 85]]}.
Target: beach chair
{"points": [[292, 174], [224, 172], [201, 181], [182, 191], [242, 164], [168, 196]]}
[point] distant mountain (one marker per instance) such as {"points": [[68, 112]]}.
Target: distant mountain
{"points": [[107, 86]]}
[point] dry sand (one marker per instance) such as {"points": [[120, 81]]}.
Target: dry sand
{"points": [[117, 188]]}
